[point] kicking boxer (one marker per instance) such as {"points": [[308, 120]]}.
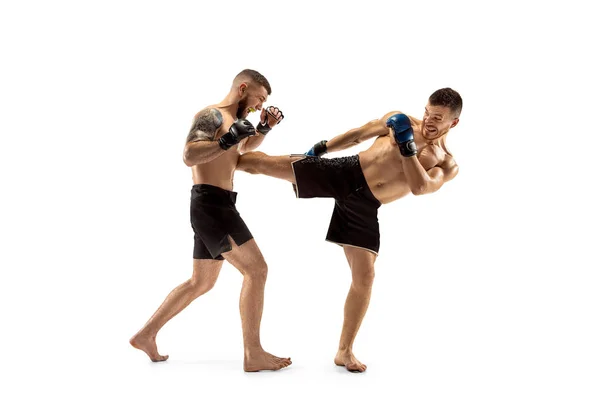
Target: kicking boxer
{"points": [[218, 135], [408, 156]]}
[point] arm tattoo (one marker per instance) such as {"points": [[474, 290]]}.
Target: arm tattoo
{"points": [[205, 125]]}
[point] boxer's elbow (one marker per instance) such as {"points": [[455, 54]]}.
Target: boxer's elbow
{"points": [[188, 158], [425, 187], [428, 182], [191, 158], [419, 189], [421, 186], [193, 154]]}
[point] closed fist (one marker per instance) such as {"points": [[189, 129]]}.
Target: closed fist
{"points": [[271, 116]]}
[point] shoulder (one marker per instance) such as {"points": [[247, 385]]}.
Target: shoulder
{"points": [[206, 124], [209, 116], [207, 120]]}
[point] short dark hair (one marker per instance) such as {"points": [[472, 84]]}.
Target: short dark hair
{"points": [[254, 76], [447, 98]]}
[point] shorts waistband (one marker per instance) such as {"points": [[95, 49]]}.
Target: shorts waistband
{"points": [[204, 189]]}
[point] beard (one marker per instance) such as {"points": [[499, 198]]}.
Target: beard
{"points": [[242, 108]]}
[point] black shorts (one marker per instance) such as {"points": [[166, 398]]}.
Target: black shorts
{"points": [[214, 218], [354, 221]]}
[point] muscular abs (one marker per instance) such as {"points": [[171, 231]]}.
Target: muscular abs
{"points": [[210, 124]]}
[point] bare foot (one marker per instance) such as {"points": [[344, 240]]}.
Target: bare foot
{"points": [[262, 360], [345, 358], [148, 345]]}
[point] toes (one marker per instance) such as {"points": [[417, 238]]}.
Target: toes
{"points": [[267, 362], [159, 358], [281, 362], [287, 362], [356, 367]]}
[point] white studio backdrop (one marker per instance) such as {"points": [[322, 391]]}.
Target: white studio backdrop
{"points": [[485, 289]]}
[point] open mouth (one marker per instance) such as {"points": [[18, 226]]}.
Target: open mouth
{"points": [[251, 110]]}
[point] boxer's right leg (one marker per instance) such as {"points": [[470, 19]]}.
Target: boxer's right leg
{"points": [[248, 259], [256, 162]]}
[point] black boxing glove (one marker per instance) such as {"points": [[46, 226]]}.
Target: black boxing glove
{"points": [[263, 126], [239, 130]]}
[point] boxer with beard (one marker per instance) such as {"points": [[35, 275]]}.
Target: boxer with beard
{"points": [[219, 134], [408, 156]]}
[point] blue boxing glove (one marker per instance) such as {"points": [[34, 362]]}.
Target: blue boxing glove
{"points": [[403, 134], [318, 149]]}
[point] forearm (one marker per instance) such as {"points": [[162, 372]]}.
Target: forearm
{"points": [[344, 141], [201, 152], [417, 178], [371, 129], [252, 142]]}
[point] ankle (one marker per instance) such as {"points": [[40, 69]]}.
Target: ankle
{"points": [[145, 333], [251, 351], [345, 349]]}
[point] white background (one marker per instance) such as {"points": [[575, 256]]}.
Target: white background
{"points": [[487, 289]]}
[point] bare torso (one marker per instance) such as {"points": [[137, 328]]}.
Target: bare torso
{"points": [[382, 164], [219, 172]]}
